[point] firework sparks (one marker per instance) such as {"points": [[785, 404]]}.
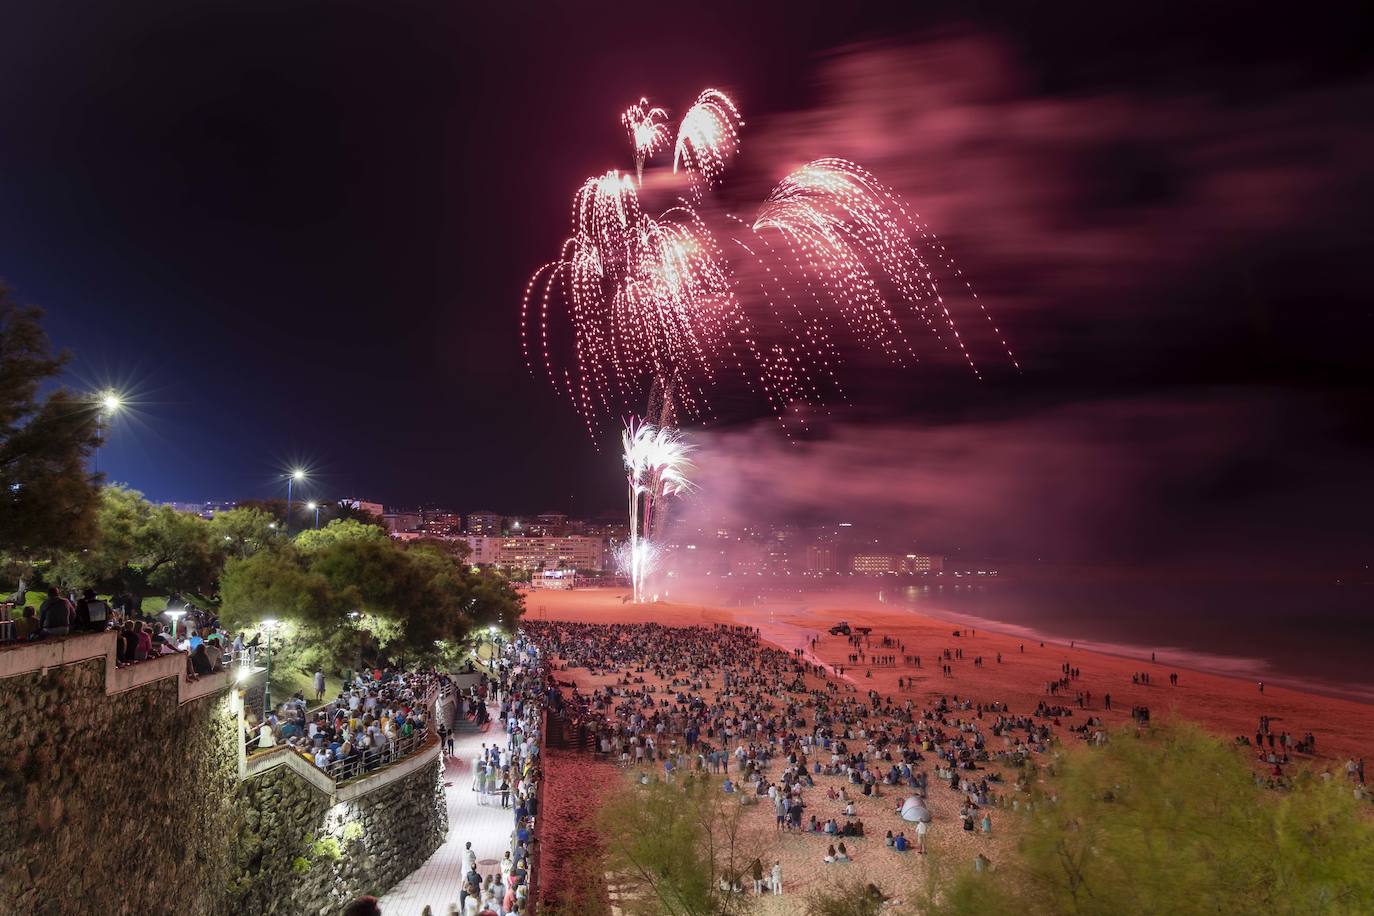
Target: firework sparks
{"points": [[648, 131], [832, 260], [657, 465], [707, 139]]}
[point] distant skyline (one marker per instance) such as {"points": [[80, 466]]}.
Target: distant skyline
{"points": [[307, 244]]}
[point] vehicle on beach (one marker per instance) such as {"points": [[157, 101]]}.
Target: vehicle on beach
{"points": [[840, 629]]}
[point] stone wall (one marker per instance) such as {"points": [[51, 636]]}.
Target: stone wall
{"points": [[114, 803], [303, 853], [124, 797]]}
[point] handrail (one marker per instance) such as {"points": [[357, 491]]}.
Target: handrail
{"points": [[361, 764]]}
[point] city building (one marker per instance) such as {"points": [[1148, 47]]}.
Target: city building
{"points": [[548, 524], [399, 521], [483, 550], [363, 505], [923, 563], [482, 523], [819, 559], [439, 523], [571, 552], [873, 564]]}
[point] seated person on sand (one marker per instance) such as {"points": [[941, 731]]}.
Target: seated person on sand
{"points": [[829, 855], [729, 786], [842, 854], [849, 810], [900, 843]]}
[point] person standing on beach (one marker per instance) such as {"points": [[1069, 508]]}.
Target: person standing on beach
{"points": [[776, 878]]}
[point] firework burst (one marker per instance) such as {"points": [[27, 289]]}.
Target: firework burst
{"points": [[648, 129], [707, 139], [657, 465], [831, 261]]}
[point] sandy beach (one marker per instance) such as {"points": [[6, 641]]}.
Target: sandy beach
{"points": [[1227, 706]]}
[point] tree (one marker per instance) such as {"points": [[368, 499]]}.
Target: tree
{"points": [[243, 531], [675, 843], [348, 589], [1174, 822], [47, 497], [144, 547], [337, 531]]}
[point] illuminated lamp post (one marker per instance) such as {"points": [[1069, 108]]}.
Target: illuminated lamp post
{"points": [[109, 404], [291, 478], [269, 625]]}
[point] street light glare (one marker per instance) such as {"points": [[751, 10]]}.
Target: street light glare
{"points": [[111, 401], [312, 506], [298, 474]]}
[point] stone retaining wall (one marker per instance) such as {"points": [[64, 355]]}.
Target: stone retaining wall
{"points": [[113, 804], [120, 793], [303, 853]]}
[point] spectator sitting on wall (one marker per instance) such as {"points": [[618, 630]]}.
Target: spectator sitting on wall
{"points": [[92, 614], [27, 626], [55, 614]]}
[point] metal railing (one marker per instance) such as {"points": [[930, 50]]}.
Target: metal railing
{"points": [[360, 763]]}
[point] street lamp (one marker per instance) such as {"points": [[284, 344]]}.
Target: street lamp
{"points": [[291, 478], [108, 403], [176, 617], [314, 507], [269, 625]]}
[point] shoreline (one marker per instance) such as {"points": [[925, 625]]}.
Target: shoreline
{"points": [[1238, 667], [1225, 703]]}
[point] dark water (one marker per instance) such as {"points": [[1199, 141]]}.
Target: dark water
{"points": [[1314, 637], [1318, 637]]}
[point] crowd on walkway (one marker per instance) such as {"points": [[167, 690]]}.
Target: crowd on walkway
{"points": [[506, 772], [375, 714]]}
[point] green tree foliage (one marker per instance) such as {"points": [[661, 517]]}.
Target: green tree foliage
{"points": [[675, 843], [243, 531], [145, 548], [47, 497], [337, 531], [1174, 822], [352, 595]]}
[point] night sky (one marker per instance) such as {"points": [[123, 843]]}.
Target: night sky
{"points": [[300, 232]]}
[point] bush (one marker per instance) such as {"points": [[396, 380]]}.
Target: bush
{"points": [[326, 848], [1173, 822]]}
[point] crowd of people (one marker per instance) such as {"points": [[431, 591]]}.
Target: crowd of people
{"points": [[775, 725], [508, 770], [375, 715], [139, 636]]}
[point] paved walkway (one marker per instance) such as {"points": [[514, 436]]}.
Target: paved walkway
{"points": [[487, 827]]}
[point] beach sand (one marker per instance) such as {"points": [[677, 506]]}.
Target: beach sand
{"points": [[1228, 706]]}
